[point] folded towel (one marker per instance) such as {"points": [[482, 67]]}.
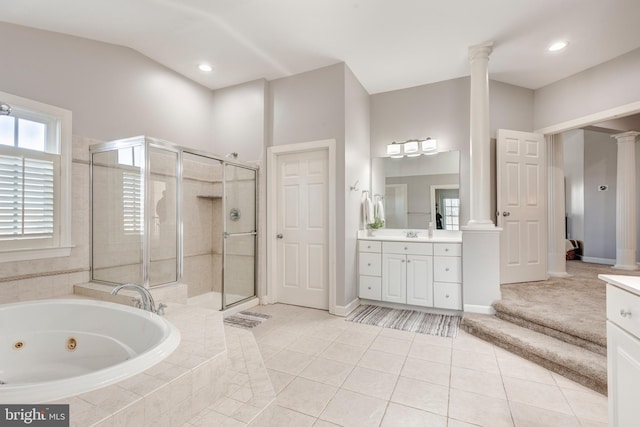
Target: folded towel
{"points": [[379, 210], [367, 209]]}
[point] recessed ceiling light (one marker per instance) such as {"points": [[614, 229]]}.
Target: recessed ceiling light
{"points": [[558, 46], [205, 67]]}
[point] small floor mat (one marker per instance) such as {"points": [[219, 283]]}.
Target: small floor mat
{"points": [[442, 325], [246, 319]]}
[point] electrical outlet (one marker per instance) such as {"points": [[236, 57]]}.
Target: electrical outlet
{"points": [[603, 187]]}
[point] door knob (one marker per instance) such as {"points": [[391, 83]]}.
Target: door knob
{"points": [[279, 236], [506, 213]]}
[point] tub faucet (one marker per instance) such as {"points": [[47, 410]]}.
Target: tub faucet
{"points": [[148, 303]]}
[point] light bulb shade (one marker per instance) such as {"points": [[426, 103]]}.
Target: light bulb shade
{"points": [[411, 148], [429, 146], [394, 150]]}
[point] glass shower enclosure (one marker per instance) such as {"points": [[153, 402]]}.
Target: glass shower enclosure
{"points": [[163, 214]]}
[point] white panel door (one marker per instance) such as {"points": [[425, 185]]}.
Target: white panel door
{"points": [[302, 229], [394, 278], [420, 280], [522, 206]]}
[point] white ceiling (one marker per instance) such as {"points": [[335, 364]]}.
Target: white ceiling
{"points": [[388, 44]]}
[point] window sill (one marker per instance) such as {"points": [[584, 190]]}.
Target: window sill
{"points": [[33, 254]]}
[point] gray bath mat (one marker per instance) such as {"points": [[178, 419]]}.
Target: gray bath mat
{"points": [[443, 325], [246, 319]]}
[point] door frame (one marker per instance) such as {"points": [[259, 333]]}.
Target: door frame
{"points": [[577, 123], [269, 292]]}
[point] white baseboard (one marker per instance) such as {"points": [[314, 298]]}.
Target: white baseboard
{"points": [[595, 260], [480, 309], [344, 310], [400, 306], [556, 274]]}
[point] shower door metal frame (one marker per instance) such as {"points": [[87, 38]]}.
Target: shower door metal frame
{"points": [[226, 235], [145, 143]]}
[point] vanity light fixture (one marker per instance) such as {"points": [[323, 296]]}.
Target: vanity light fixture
{"points": [[394, 150], [429, 146], [412, 148]]}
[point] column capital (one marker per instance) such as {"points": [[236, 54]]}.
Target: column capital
{"points": [[626, 135], [479, 51]]}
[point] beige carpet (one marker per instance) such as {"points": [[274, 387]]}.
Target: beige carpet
{"points": [[569, 308], [559, 323]]}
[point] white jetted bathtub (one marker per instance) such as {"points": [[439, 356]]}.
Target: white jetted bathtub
{"points": [[52, 349]]}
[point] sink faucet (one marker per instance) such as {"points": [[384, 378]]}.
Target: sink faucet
{"points": [[148, 303], [412, 234]]}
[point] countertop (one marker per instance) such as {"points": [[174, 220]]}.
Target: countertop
{"points": [[394, 235], [628, 283]]}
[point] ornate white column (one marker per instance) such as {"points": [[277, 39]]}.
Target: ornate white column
{"points": [[557, 261], [480, 190], [626, 202]]}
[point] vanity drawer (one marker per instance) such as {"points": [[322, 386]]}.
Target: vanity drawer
{"points": [[369, 264], [447, 295], [407, 248], [623, 309], [369, 246], [447, 249], [370, 287], [447, 269]]}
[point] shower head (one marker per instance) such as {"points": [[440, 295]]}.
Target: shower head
{"points": [[5, 109]]}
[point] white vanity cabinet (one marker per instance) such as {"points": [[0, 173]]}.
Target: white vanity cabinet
{"points": [[407, 273], [623, 349], [370, 269], [417, 273], [447, 275]]}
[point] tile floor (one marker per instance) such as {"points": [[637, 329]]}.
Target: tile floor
{"points": [[325, 371]]}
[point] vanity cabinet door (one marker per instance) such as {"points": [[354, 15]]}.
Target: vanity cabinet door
{"points": [[623, 359], [420, 280], [394, 278]]}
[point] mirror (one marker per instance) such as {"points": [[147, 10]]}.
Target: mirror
{"points": [[419, 190]]}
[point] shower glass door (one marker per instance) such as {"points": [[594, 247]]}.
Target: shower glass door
{"points": [[239, 264]]}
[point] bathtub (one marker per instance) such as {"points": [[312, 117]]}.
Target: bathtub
{"points": [[53, 349]]}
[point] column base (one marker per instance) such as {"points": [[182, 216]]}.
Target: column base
{"points": [[479, 225], [626, 267]]}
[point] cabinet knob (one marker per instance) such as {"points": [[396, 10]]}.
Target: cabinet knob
{"points": [[406, 248], [446, 249], [625, 313], [368, 264], [446, 269], [408, 261], [402, 261], [446, 296], [369, 247], [369, 287]]}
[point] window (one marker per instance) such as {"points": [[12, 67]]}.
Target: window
{"points": [[34, 180], [451, 213], [132, 190]]}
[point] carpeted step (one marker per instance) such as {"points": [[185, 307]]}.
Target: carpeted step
{"points": [[576, 363], [570, 332]]}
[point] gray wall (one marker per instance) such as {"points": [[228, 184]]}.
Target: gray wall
{"points": [[608, 85], [600, 162], [573, 145], [441, 110], [357, 168], [238, 120], [113, 92]]}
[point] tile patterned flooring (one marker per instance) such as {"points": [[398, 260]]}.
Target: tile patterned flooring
{"points": [[325, 371]]}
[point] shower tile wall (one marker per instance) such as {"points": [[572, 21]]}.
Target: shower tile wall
{"points": [[202, 270], [54, 277]]}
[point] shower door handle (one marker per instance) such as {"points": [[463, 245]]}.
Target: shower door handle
{"points": [[279, 236]]}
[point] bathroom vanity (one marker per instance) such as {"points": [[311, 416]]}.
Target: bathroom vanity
{"points": [[417, 271], [623, 348]]}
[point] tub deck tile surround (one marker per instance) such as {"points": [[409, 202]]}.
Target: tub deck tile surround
{"points": [[171, 392]]}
